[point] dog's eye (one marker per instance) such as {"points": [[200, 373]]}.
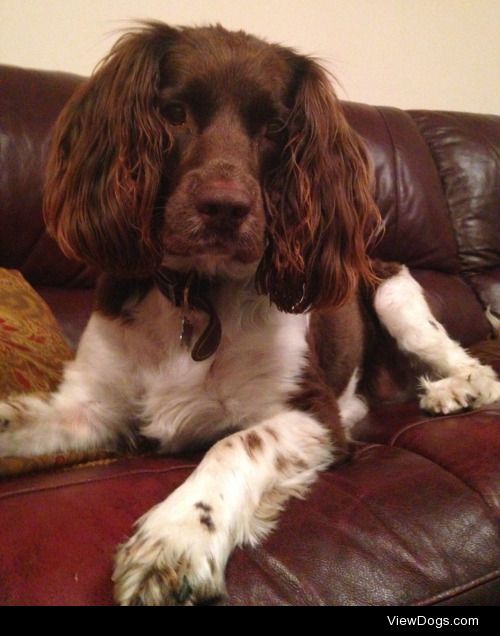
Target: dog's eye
{"points": [[275, 128], [175, 113]]}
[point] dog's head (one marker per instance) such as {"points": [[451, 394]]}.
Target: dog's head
{"points": [[199, 148]]}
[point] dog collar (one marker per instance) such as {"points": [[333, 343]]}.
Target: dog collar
{"points": [[190, 291]]}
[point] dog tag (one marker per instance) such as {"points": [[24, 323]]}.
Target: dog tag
{"points": [[187, 330]]}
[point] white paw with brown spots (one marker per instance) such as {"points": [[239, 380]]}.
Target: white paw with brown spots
{"points": [[174, 558], [471, 387]]}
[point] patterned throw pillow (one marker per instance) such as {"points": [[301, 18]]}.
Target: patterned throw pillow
{"points": [[32, 348]]}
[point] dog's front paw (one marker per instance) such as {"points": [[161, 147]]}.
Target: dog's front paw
{"points": [[445, 396], [10, 417], [12, 423], [25, 425], [172, 560], [471, 387]]}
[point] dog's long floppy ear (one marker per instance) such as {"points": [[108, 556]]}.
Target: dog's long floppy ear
{"points": [[106, 158], [320, 209]]}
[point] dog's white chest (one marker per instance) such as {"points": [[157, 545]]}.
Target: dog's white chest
{"points": [[255, 368]]}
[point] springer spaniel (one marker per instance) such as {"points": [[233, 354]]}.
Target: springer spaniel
{"points": [[213, 180]]}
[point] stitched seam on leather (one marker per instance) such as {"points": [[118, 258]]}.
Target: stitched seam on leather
{"points": [[459, 589], [458, 477], [442, 182], [484, 138], [465, 482], [281, 577], [141, 471], [72, 281], [32, 248], [383, 523], [69, 280], [438, 418], [367, 447], [394, 168], [453, 591]]}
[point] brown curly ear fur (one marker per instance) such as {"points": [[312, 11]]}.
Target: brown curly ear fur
{"points": [[321, 213], [106, 160]]}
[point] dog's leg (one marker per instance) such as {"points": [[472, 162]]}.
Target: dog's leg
{"points": [[90, 409], [72, 419], [178, 554], [458, 380]]}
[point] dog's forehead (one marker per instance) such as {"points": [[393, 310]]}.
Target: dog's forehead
{"points": [[228, 62]]}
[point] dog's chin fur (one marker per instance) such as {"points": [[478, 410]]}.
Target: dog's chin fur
{"points": [[219, 265]]}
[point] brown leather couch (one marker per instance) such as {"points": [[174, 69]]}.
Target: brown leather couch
{"points": [[413, 518]]}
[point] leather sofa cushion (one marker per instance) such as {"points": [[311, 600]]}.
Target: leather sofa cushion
{"points": [[71, 307], [391, 527]]}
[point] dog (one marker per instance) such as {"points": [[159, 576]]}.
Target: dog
{"points": [[214, 182]]}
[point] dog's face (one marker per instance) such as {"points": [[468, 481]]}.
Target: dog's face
{"points": [[199, 148], [225, 103]]}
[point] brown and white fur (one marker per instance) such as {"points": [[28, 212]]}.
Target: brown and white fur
{"points": [[198, 150]]}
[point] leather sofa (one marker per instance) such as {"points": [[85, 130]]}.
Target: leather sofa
{"points": [[413, 518]]}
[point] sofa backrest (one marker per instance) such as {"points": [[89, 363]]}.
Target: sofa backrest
{"points": [[437, 185], [30, 101], [438, 188]]}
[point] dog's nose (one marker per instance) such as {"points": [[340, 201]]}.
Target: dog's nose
{"points": [[223, 201]]}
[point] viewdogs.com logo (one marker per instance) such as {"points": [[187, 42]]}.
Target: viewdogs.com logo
{"points": [[430, 621]]}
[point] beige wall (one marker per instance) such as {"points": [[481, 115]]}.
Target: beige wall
{"points": [[407, 53]]}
